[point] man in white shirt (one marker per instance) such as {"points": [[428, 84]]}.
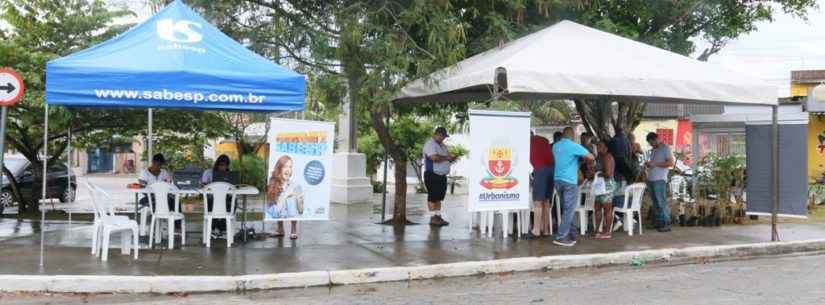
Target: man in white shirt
{"points": [[437, 161], [153, 173]]}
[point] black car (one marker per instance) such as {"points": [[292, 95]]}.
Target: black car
{"points": [[58, 182]]}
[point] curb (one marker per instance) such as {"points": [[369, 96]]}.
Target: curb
{"points": [[169, 284]]}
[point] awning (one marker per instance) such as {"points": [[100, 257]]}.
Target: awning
{"points": [[569, 60], [176, 59]]}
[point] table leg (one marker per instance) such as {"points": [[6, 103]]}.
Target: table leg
{"points": [[243, 220], [136, 208]]}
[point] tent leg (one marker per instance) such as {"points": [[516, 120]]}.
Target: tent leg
{"points": [[384, 190], [775, 172], [45, 166], [149, 140]]}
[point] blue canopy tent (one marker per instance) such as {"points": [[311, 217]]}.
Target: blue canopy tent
{"points": [[175, 59]]}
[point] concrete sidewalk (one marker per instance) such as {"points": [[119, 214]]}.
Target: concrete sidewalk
{"points": [[351, 240]]}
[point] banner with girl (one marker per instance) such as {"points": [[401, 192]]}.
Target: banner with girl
{"points": [[300, 160]]}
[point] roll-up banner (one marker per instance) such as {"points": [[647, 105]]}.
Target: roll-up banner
{"points": [[298, 179], [499, 177]]}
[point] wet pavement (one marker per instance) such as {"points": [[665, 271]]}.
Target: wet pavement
{"points": [[351, 240]]}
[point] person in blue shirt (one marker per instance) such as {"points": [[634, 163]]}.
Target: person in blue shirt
{"points": [[568, 155]]}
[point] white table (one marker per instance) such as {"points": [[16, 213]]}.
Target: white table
{"points": [[243, 191]]}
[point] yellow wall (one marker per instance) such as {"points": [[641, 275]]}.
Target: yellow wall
{"points": [[801, 89], [231, 150], [816, 127]]}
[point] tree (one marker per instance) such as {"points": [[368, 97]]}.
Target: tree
{"points": [[370, 48], [41, 30]]}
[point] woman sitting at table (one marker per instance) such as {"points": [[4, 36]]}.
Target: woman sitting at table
{"points": [[285, 197], [154, 173], [221, 165]]}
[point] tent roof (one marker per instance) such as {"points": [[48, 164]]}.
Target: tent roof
{"points": [[176, 59], [569, 60]]}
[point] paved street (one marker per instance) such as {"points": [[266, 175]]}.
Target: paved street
{"points": [[778, 280]]}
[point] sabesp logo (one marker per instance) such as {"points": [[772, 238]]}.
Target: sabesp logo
{"points": [[181, 31]]}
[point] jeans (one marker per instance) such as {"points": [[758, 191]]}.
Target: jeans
{"points": [[567, 193], [660, 208]]}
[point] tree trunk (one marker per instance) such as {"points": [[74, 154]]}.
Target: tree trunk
{"points": [[601, 118], [378, 122], [399, 212]]}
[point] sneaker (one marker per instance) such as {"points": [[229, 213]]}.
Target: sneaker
{"points": [[664, 229], [564, 242], [438, 221]]}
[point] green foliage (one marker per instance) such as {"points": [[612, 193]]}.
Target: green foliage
{"points": [[252, 169], [542, 112], [721, 174], [458, 151], [369, 145]]}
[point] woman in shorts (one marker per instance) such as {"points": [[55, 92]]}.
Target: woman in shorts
{"points": [[605, 166]]}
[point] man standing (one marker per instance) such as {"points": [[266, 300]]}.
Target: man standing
{"points": [[658, 167], [541, 157], [567, 155], [437, 165]]}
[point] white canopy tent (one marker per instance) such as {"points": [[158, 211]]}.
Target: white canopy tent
{"points": [[573, 61], [569, 60]]}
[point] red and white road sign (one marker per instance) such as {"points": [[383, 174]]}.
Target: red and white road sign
{"points": [[11, 87]]}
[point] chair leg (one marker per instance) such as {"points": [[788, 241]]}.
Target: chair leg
{"points": [[170, 223], [204, 230], [152, 233], [144, 213], [583, 222], [640, 223], [182, 232], [95, 235], [124, 243], [105, 250], [505, 224], [209, 228], [628, 222], [229, 236], [135, 241]]}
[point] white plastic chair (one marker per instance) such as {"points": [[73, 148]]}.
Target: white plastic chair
{"points": [[160, 202], [554, 203], [589, 205], [218, 190], [632, 204], [106, 223]]}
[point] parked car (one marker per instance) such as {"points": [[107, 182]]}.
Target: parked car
{"points": [[58, 183]]}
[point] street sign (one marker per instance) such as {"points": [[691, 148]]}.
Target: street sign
{"points": [[11, 87]]}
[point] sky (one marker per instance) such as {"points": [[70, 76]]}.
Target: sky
{"points": [[770, 53], [776, 48]]}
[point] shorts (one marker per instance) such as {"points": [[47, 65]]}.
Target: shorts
{"points": [[543, 183], [618, 195], [436, 186], [610, 187]]}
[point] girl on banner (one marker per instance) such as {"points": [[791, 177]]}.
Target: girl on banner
{"points": [[285, 198]]}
